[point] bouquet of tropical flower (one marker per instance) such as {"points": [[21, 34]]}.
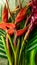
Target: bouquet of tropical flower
{"points": [[19, 33]]}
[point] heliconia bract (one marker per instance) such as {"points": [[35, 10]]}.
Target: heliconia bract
{"points": [[5, 14]]}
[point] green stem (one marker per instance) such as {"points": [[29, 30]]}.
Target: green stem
{"points": [[15, 56], [11, 44], [6, 50], [16, 53], [23, 43], [10, 63], [21, 49], [18, 43], [15, 63]]}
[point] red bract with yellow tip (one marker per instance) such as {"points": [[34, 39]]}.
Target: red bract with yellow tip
{"points": [[5, 14], [21, 15]]}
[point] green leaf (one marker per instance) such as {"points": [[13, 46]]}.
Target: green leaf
{"points": [[2, 51], [31, 48]]}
